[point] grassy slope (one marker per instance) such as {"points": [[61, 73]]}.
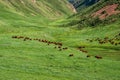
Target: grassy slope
{"points": [[24, 10], [32, 60], [84, 18], [27, 7]]}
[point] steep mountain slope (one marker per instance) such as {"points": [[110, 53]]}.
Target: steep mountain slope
{"points": [[102, 13], [81, 4], [45, 8], [32, 13]]}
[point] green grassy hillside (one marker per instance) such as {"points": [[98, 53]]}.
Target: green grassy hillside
{"points": [[85, 17], [36, 47], [39, 8], [27, 14], [24, 10]]}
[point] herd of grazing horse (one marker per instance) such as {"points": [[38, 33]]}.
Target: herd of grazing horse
{"points": [[113, 41], [59, 45]]}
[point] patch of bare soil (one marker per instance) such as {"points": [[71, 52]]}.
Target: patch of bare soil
{"points": [[106, 11]]}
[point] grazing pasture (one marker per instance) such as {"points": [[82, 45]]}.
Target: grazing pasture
{"points": [[34, 47], [58, 53]]}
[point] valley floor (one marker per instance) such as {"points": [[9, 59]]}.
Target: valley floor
{"points": [[34, 60]]}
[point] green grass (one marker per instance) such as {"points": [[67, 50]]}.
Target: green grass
{"points": [[33, 60], [37, 61]]}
